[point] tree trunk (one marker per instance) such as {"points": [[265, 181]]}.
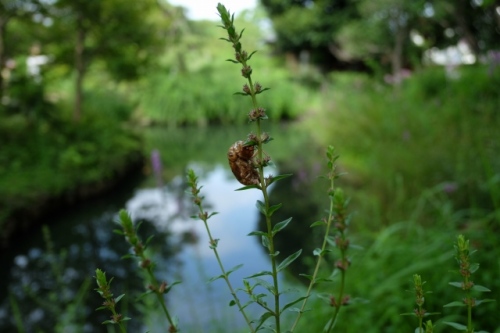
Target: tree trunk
{"points": [[462, 21], [3, 25], [80, 67], [397, 54]]}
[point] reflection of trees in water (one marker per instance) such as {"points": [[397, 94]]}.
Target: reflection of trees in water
{"points": [[55, 291]]}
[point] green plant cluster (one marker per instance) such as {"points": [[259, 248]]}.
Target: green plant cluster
{"points": [[43, 158]]}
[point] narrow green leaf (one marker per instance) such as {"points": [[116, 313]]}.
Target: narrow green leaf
{"points": [[259, 274], [148, 240], [293, 302], [261, 91], [250, 55], [265, 241], [170, 286], [275, 254], [456, 284], [119, 298], [454, 304], [263, 318], [212, 214], [212, 279], [233, 61], [265, 284], [318, 252], [307, 276], [317, 224], [241, 93], [289, 260], [474, 267], [279, 177], [235, 268], [481, 301], [248, 187], [274, 208], [458, 326], [280, 226], [409, 314], [261, 207], [483, 289], [258, 233], [319, 280]]}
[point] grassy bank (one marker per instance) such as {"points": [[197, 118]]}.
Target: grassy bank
{"points": [[47, 157], [422, 166]]}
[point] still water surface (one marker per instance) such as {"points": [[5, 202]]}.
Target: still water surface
{"points": [[47, 288]]}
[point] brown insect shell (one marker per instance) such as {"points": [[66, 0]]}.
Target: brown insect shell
{"points": [[240, 161]]}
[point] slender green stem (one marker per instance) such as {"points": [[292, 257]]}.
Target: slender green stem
{"points": [[213, 245], [270, 236], [159, 295], [320, 258], [225, 275], [340, 297]]}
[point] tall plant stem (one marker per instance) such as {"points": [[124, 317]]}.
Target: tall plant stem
{"points": [[159, 295], [320, 258], [213, 244], [269, 225]]}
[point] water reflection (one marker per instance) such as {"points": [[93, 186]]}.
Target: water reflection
{"points": [[83, 240]]}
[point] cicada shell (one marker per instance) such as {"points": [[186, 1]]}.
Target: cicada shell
{"points": [[240, 161]]}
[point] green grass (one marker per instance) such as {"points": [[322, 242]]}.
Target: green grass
{"points": [[422, 166]]}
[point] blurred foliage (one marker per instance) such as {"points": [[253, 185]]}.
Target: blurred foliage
{"points": [[341, 34], [196, 84], [44, 158], [422, 167]]}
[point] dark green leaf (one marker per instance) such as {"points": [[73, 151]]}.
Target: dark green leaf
{"points": [[307, 276], [293, 302], [456, 284], [474, 267], [258, 233], [318, 252], [274, 208], [251, 54], [265, 241], [212, 214], [481, 301], [262, 319], [279, 177], [170, 286], [212, 279], [454, 304], [261, 91], [458, 326], [235, 268], [289, 260], [280, 226], [232, 302], [148, 240], [261, 207], [317, 224], [248, 187], [259, 274], [477, 287], [119, 298], [275, 254], [233, 61]]}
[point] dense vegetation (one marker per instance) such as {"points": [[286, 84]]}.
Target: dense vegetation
{"points": [[421, 155]]}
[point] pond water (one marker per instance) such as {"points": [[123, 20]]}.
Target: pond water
{"points": [[48, 284]]}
